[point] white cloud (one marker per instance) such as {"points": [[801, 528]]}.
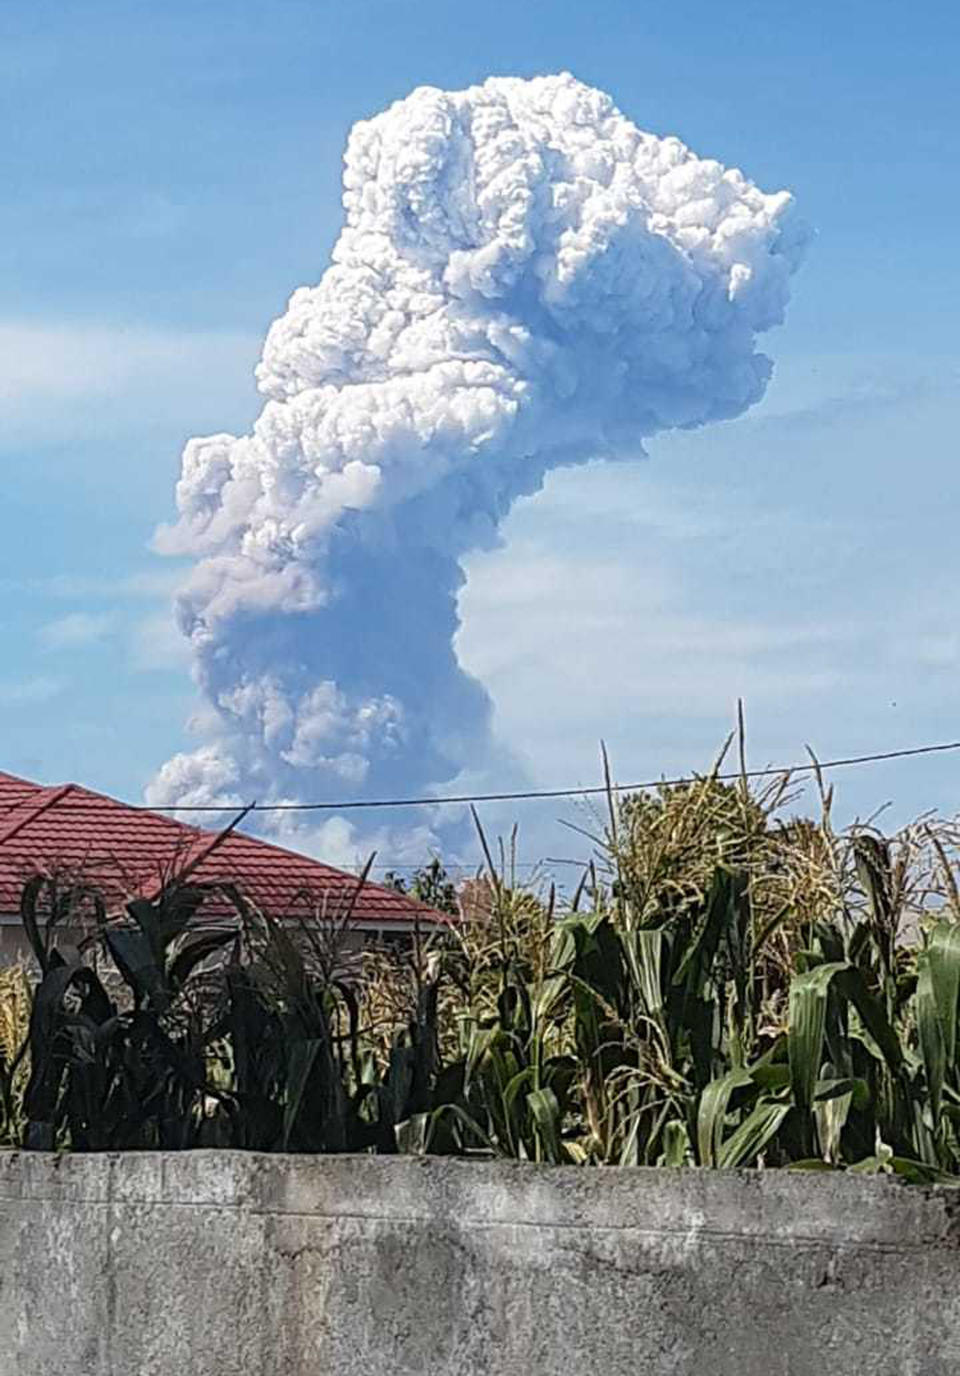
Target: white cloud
{"points": [[348, 845], [203, 778], [936, 651], [47, 360], [145, 584], [30, 690], [75, 630], [58, 377], [524, 280], [156, 644]]}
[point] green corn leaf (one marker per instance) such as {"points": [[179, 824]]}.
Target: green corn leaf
{"points": [[300, 1062], [29, 900], [511, 1092], [930, 1033], [943, 954], [549, 997], [806, 1021], [872, 1014], [546, 1115], [719, 914], [393, 1093], [643, 948], [466, 1122], [835, 1089], [133, 956], [871, 1165], [566, 942], [770, 1076], [745, 1145], [919, 1173], [714, 1102], [187, 960], [832, 1103], [482, 1039]]}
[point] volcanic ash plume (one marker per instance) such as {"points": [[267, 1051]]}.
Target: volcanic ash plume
{"points": [[524, 279]]}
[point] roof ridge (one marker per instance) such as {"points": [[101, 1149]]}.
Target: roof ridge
{"points": [[142, 810], [404, 898], [202, 842], [19, 779], [34, 806]]}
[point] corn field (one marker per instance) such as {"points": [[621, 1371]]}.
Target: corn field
{"points": [[728, 985]]}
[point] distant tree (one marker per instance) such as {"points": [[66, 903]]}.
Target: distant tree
{"points": [[430, 884]]}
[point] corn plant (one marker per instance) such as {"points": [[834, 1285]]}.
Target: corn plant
{"points": [[105, 1076], [723, 989]]}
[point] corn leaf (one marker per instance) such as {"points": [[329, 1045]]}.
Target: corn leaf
{"points": [[753, 1134], [930, 1033], [806, 1021], [943, 954], [546, 1115], [714, 1102]]}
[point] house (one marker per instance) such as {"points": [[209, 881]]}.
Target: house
{"points": [[125, 852]]}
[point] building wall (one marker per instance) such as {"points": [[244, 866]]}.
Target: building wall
{"points": [[15, 949], [225, 1264]]}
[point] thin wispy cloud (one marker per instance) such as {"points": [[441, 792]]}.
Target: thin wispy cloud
{"points": [[63, 383], [29, 690], [156, 644], [47, 359], [826, 390], [146, 585], [75, 630]]}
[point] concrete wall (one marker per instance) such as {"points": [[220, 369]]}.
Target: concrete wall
{"points": [[216, 1264]]}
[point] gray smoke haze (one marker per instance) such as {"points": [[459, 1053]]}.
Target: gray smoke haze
{"points": [[524, 279]]}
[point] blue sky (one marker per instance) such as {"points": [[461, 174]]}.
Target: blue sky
{"points": [[171, 173]]}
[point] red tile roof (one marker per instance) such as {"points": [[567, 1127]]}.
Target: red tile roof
{"points": [[125, 850]]}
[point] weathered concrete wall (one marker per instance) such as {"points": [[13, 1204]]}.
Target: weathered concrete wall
{"points": [[217, 1264]]}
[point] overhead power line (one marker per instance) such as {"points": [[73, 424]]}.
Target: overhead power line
{"points": [[525, 795], [458, 867]]}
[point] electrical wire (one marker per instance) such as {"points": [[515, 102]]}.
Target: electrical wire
{"points": [[812, 766]]}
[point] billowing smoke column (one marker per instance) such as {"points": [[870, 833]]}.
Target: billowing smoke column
{"points": [[524, 279]]}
